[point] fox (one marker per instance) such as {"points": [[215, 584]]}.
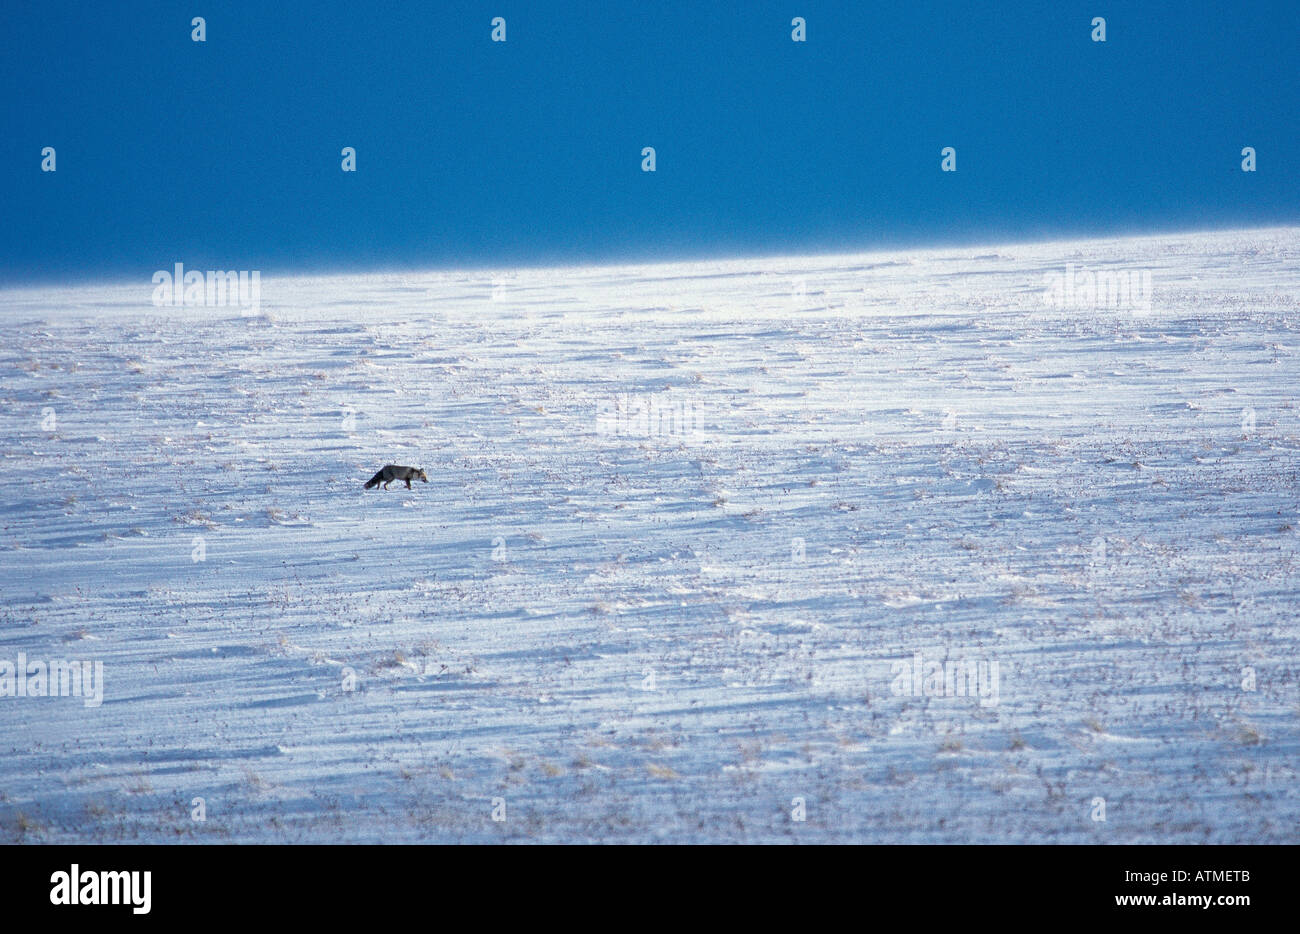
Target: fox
{"points": [[393, 472]]}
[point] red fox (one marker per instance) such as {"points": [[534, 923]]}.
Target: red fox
{"points": [[393, 472]]}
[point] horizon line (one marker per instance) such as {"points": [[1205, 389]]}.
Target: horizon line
{"points": [[296, 272]]}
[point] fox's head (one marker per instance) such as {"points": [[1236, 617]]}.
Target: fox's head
{"points": [[422, 475]]}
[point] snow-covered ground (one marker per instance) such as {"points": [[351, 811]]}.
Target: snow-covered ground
{"points": [[687, 528]]}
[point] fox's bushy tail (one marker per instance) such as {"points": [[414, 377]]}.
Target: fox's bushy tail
{"points": [[375, 480]]}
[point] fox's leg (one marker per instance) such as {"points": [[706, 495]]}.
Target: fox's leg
{"points": [[408, 483]]}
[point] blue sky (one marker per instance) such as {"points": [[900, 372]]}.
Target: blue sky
{"points": [[226, 154]]}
